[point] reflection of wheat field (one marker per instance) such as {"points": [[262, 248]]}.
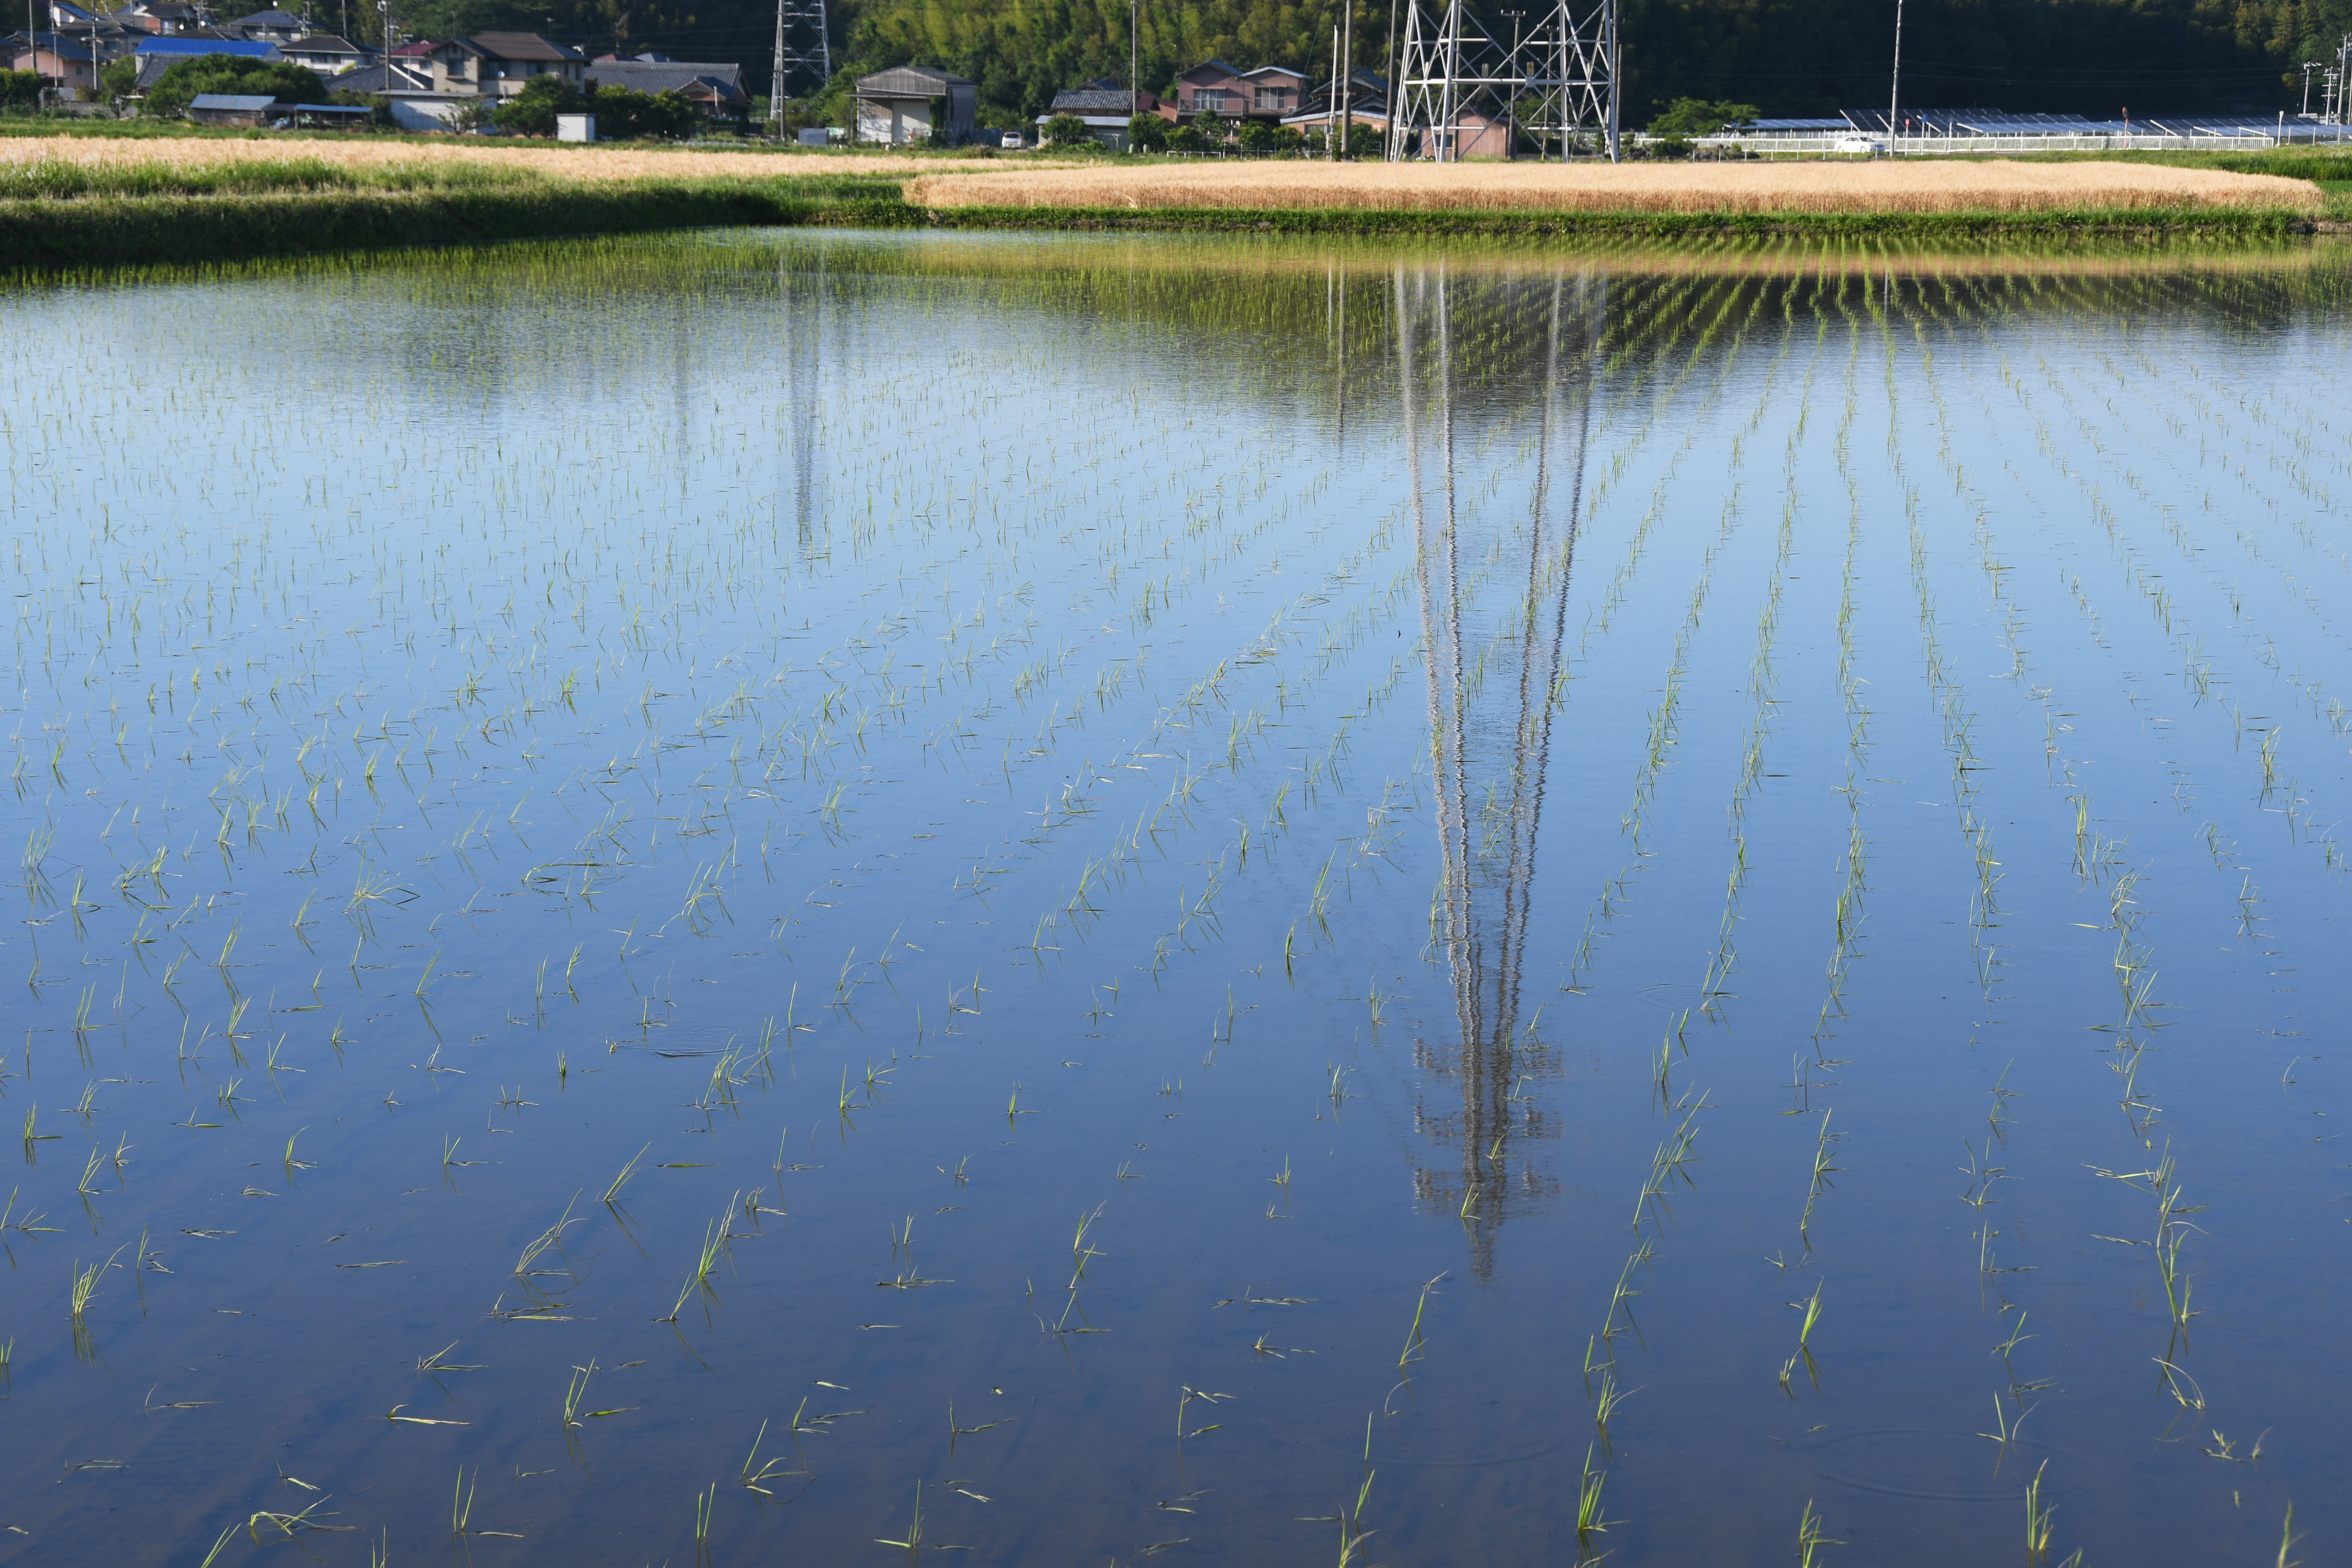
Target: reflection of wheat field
{"points": [[1876, 187]]}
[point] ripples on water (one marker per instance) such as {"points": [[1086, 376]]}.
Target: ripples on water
{"points": [[1238, 902]]}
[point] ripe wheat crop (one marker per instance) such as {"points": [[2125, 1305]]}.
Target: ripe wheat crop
{"points": [[1890, 187], [368, 161]]}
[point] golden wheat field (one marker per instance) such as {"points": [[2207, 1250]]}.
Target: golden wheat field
{"points": [[554, 160], [1847, 187]]}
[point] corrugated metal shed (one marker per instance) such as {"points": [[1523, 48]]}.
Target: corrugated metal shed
{"points": [[232, 102], [909, 82]]}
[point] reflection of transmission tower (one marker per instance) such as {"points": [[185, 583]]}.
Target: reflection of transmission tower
{"points": [[1494, 596], [803, 297], [803, 48], [1460, 92]]}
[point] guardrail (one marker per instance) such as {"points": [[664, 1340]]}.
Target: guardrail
{"points": [[1909, 146]]}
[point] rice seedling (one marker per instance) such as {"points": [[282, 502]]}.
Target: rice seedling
{"points": [[1064, 672]]}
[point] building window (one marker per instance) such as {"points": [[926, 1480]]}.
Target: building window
{"points": [[1273, 100], [1211, 100], [457, 66]]}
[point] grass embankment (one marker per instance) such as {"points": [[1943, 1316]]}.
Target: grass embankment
{"points": [[92, 201], [70, 201], [1653, 199], [72, 214]]}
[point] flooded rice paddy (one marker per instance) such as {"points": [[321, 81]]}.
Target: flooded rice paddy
{"points": [[783, 898]]}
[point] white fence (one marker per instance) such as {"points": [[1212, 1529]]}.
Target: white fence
{"points": [[1814, 146]]}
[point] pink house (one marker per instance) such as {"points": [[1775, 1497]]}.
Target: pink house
{"points": [[1216, 87]]}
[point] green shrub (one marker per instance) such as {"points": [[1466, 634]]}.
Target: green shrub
{"points": [[20, 89], [625, 114], [1147, 133], [1064, 132], [1697, 117], [233, 74], [533, 111]]}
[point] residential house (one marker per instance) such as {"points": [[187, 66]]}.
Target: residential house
{"points": [[406, 87], [1213, 87], [1366, 104], [907, 104], [186, 47], [1104, 107], [161, 17], [63, 59], [325, 53], [233, 109], [497, 65], [268, 26], [379, 76], [713, 87], [1473, 136]]}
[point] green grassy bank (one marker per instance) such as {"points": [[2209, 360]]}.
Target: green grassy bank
{"points": [[2192, 224], [178, 229], [64, 217]]}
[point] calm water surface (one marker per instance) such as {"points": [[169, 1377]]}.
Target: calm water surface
{"points": [[790, 898]]}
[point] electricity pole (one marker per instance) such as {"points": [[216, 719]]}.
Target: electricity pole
{"points": [[1134, 58], [1346, 82], [1331, 103], [1895, 97]]}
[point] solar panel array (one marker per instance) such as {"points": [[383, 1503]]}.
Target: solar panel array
{"points": [[1946, 123]]}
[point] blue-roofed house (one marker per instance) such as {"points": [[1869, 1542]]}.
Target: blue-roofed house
{"points": [[184, 48]]}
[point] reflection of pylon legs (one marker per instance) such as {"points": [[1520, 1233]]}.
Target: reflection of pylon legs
{"points": [[1462, 93], [1493, 602]]}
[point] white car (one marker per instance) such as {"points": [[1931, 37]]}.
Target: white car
{"points": [[1010, 142], [1862, 144]]}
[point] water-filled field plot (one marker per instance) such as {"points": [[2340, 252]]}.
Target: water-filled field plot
{"points": [[785, 898]]}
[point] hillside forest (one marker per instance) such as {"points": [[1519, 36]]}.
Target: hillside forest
{"points": [[1788, 57]]}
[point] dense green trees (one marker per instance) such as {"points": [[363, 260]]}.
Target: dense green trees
{"points": [[232, 73], [1788, 57], [623, 114]]}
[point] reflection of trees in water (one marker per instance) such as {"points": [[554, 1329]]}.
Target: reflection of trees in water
{"points": [[1494, 594]]}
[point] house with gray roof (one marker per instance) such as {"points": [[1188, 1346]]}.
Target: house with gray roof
{"points": [[716, 87], [325, 53], [1103, 105], [274, 26], [497, 65], [907, 105]]}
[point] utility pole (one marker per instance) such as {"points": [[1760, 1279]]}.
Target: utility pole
{"points": [[2343, 65], [1346, 76], [1331, 103], [1895, 97], [1389, 74], [1134, 58], [1511, 104]]}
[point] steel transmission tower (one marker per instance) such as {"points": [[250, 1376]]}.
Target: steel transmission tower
{"points": [[803, 48], [1462, 92]]}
